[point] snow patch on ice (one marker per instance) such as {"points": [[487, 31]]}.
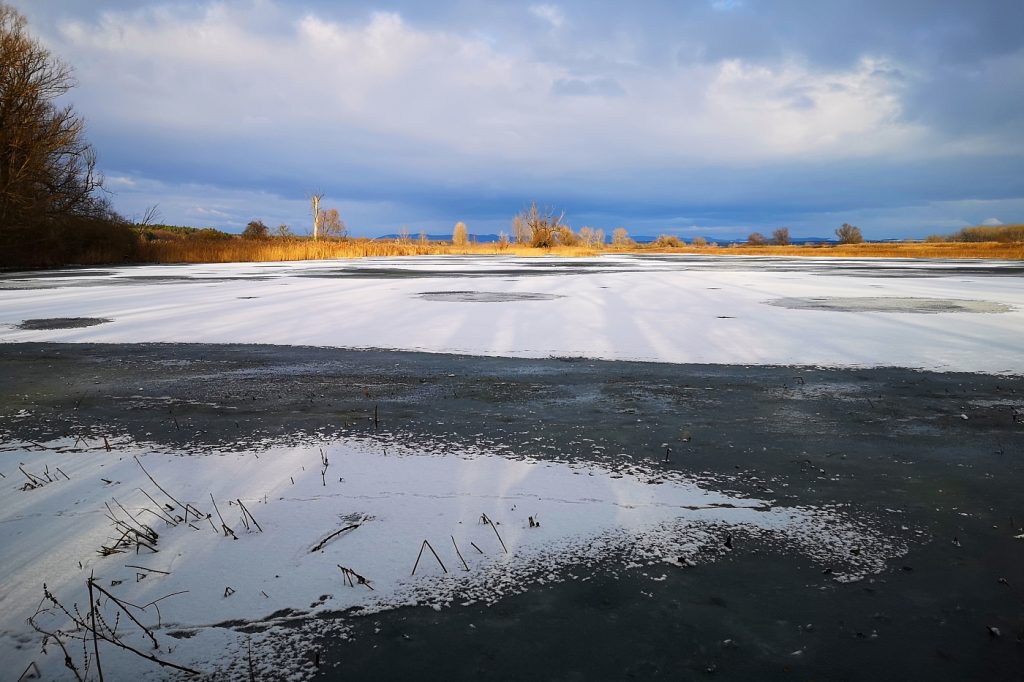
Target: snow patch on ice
{"points": [[328, 534]]}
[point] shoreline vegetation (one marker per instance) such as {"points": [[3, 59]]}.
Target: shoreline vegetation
{"points": [[85, 242], [537, 234], [291, 249]]}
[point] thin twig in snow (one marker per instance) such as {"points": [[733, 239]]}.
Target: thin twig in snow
{"points": [[227, 531], [459, 553]]}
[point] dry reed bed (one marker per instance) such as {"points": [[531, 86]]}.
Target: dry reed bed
{"points": [[239, 250], [996, 250]]}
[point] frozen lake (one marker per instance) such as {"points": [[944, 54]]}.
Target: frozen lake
{"points": [[250, 458], [941, 315]]}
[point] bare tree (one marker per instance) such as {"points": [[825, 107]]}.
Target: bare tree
{"points": [[621, 238], [47, 169], [151, 215], [780, 237], [849, 234], [331, 224], [756, 239], [591, 238], [460, 234], [520, 229]]}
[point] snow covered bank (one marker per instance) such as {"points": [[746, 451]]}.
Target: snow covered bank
{"points": [[940, 315]]}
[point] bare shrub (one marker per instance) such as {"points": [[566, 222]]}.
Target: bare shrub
{"points": [[699, 242], [780, 237], [590, 237], [565, 236], [621, 238], [541, 228], [460, 234], [756, 239], [669, 241], [990, 233], [849, 234], [520, 229]]}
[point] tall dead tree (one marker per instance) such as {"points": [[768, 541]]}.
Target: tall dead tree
{"points": [[317, 196]]}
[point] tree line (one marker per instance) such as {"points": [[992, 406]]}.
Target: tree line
{"points": [[52, 204]]}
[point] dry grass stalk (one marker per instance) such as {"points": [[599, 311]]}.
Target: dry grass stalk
{"points": [[133, 533], [33, 480], [247, 516], [224, 526], [185, 507], [484, 519], [459, 553], [353, 578], [94, 626], [427, 545], [320, 545]]}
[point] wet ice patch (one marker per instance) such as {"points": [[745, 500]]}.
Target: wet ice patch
{"points": [[893, 304], [62, 322], [485, 296], [347, 520]]}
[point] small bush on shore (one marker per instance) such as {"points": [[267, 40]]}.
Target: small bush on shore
{"points": [[668, 241]]}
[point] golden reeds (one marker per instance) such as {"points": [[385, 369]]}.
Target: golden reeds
{"points": [[244, 250], [958, 250]]}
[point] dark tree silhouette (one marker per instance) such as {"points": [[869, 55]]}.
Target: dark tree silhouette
{"points": [[47, 169]]}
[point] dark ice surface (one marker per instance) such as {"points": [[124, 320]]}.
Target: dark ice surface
{"points": [[938, 454]]}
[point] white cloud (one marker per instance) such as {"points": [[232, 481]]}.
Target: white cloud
{"points": [[552, 14], [399, 91], [992, 222]]}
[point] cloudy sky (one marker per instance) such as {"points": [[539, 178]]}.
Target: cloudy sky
{"points": [[712, 117]]}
